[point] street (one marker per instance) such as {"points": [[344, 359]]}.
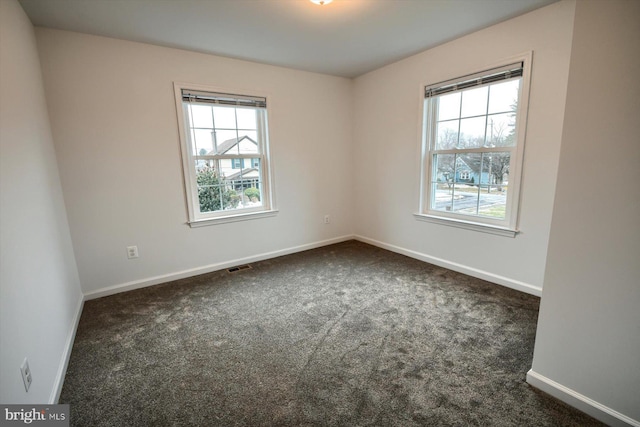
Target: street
{"points": [[467, 201]]}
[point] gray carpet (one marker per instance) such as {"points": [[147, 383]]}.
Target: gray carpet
{"points": [[345, 335]]}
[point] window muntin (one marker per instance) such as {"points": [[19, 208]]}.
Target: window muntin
{"points": [[473, 145], [225, 153]]}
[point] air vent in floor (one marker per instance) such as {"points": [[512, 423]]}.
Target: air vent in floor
{"points": [[238, 268]]}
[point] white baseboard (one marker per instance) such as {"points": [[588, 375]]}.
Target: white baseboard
{"points": [[66, 355], [579, 401], [480, 274], [143, 283]]}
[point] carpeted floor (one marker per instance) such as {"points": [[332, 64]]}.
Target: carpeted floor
{"points": [[345, 335]]}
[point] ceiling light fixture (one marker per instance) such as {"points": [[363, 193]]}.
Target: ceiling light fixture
{"points": [[321, 2]]}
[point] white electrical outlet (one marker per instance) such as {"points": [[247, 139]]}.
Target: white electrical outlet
{"points": [[132, 252], [327, 219], [26, 374]]}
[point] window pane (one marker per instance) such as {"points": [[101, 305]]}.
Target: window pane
{"points": [[468, 168], [472, 132], [498, 167], [503, 97], [441, 197], [246, 118], [201, 164], [449, 106], [447, 135], [501, 130], [474, 101], [495, 183], [224, 117], [226, 140], [227, 167], [213, 192], [442, 181], [201, 115], [465, 199], [206, 197], [493, 205], [203, 141], [252, 195], [248, 145], [246, 183], [465, 189], [443, 168]]}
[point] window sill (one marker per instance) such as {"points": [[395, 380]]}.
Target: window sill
{"points": [[232, 218], [468, 225]]}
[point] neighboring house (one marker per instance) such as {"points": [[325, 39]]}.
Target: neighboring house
{"points": [[468, 171], [240, 172], [246, 178]]}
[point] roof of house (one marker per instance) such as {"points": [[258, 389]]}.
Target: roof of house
{"points": [[245, 173], [229, 144], [472, 162]]}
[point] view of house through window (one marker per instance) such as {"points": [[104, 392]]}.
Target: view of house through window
{"points": [[471, 145], [225, 145]]}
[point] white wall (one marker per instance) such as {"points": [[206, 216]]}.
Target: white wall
{"points": [[39, 287], [387, 143], [115, 128], [588, 335]]}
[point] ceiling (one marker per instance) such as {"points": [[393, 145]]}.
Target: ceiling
{"points": [[345, 38]]}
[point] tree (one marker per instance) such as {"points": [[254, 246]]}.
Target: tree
{"points": [[253, 194], [447, 139], [500, 162], [213, 193], [496, 134]]}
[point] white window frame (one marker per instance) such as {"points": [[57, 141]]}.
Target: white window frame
{"points": [[195, 217], [509, 226]]}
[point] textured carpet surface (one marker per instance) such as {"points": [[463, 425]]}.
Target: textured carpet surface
{"points": [[345, 335]]}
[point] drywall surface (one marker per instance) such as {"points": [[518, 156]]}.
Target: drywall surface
{"points": [[588, 335], [114, 121], [388, 123], [39, 286]]}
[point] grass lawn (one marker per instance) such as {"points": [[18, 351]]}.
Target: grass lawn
{"points": [[495, 211]]}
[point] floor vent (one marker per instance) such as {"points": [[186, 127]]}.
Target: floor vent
{"points": [[238, 268]]}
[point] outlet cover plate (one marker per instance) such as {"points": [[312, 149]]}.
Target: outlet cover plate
{"points": [[132, 252], [26, 374]]}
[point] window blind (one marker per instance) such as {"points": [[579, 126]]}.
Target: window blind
{"points": [[478, 79], [223, 99]]}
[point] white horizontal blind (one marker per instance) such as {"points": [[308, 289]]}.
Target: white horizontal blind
{"points": [[223, 99], [478, 79]]}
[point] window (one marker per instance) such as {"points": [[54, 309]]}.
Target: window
{"points": [[224, 143], [473, 144]]}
